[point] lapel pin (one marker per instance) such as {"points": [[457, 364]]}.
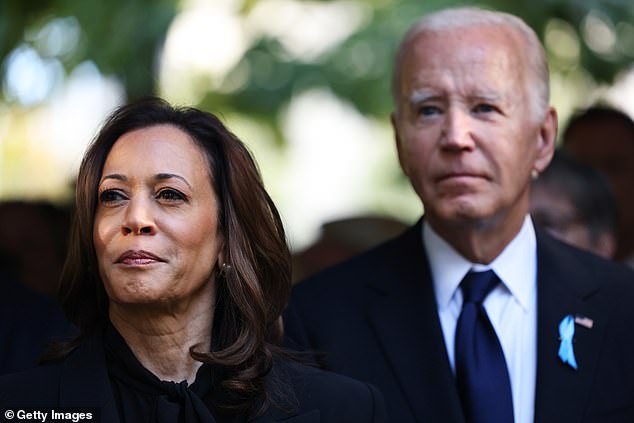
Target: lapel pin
{"points": [[584, 321], [566, 333]]}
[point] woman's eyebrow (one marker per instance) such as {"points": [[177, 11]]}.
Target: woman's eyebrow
{"points": [[159, 177], [116, 176], [163, 176]]}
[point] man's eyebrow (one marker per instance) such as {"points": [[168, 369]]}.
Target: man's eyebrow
{"points": [[163, 176], [421, 96]]}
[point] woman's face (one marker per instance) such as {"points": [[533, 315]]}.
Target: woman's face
{"points": [[156, 227]]}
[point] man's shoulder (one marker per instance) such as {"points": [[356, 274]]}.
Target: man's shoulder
{"points": [[376, 263], [579, 265], [575, 256]]}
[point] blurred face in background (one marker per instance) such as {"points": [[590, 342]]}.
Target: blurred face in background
{"points": [[608, 146], [467, 136], [555, 212], [156, 231]]}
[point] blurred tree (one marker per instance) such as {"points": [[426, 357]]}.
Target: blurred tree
{"points": [[124, 38], [592, 35]]}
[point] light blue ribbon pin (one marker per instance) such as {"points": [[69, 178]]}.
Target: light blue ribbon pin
{"points": [[566, 333]]}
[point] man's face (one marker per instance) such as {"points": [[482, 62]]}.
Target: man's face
{"points": [[467, 137]]}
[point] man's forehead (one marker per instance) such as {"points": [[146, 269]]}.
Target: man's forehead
{"points": [[476, 52], [475, 39]]}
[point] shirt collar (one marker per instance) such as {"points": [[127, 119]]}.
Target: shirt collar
{"points": [[516, 266]]}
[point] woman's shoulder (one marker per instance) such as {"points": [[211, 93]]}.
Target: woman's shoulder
{"points": [[337, 398]]}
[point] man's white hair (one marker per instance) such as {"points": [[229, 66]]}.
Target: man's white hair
{"points": [[467, 17]]}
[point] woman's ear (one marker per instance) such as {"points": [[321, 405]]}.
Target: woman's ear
{"points": [[221, 257]]}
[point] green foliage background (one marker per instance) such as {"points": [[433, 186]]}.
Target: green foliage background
{"points": [[124, 38]]}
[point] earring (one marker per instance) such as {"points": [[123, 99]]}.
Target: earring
{"points": [[224, 269], [534, 174]]}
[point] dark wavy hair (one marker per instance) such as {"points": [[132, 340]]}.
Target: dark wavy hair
{"points": [[251, 294]]}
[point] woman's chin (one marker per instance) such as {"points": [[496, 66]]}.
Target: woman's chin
{"points": [[141, 294]]}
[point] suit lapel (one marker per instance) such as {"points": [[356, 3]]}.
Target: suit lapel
{"points": [[564, 288], [404, 316], [84, 381]]}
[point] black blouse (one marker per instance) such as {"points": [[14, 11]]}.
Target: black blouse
{"points": [[143, 397]]}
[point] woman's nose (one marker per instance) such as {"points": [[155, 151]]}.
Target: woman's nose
{"points": [[138, 219]]}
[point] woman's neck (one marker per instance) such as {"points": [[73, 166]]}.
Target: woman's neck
{"points": [[161, 336]]}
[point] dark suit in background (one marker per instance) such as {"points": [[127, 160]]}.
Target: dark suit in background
{"points": [[28, 323]]}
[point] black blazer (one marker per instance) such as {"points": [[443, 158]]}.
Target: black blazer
{"points": [[376, 319], [81, 381]]}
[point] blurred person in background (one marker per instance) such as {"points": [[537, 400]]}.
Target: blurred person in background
{"points": [[574, 203], [473, 314], [33, 243], [603, 138], [32, 249], [342, 239], [177, 274]]}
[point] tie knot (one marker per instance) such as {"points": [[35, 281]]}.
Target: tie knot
{"points": [[477, 285]]}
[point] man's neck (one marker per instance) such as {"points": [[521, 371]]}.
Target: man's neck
{"points": [[477, 241]]}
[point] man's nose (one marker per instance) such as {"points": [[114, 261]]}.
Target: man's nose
{"points": [[138, 218], [457, 132]]}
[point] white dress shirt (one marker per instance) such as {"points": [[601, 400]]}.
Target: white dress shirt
{"points": [[511, 306]]}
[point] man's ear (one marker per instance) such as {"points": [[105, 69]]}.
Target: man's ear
{"points": [[546, 140]]}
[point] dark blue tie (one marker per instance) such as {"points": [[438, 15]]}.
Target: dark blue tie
{"points": [[481, 373]]}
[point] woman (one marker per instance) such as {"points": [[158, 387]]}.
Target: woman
{"points": [[177, 275]]}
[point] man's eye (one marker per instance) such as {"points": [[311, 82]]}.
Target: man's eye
{"points": [[484, 108], [111, 196], [170, 195], [428, 110]]}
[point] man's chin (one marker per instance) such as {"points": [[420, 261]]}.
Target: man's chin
{"points": [[459, 215]]}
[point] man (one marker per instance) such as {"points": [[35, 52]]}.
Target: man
{"points": [[574, 203], [538, 331], [603, 138]]}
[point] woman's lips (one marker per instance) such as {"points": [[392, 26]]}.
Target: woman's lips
{"points": [[138, 257]]}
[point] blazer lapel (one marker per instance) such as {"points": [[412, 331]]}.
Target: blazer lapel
{"points": [[85, 383], [564, 288], [405, 319]]}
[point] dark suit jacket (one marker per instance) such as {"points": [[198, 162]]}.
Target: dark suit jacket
{"points": [[376, 319], [81, 381], [28, 323]]}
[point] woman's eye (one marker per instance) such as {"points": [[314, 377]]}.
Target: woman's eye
{"points": [[170, 195], [111, 196]]}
